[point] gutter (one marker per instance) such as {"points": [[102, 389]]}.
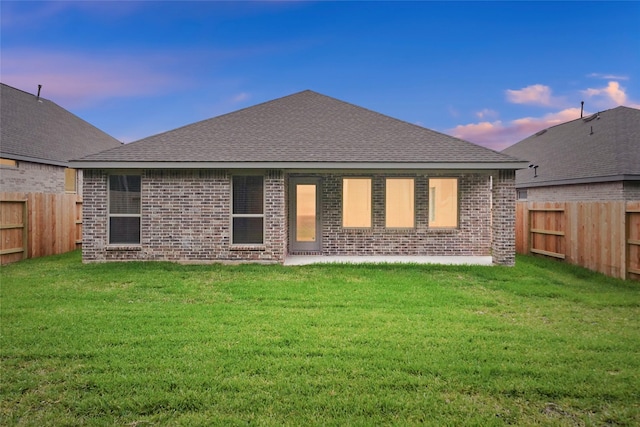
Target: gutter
{"points": [[511, 165], [591, 180]]}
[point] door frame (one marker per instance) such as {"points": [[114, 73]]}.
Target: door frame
{"points": [[294, 246]]}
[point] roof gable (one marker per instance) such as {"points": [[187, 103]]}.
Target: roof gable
{"points": [[305, 127], [36, 129], [603, 146]]}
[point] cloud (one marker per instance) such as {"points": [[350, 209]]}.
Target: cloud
{"points": [[610, 96], [486, 113], [81, 79], [498, 135], [534, 95], [240, 97], [607, 76]]}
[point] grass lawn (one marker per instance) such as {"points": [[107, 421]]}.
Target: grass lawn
{"points": [[143, 344]]}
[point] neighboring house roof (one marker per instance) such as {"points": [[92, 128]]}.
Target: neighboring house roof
{"points": [[601, 147], [303, 130], [38, 130]]}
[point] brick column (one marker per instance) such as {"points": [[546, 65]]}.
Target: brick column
{"points": [[275, 215], [503, 241], [94, 215]]}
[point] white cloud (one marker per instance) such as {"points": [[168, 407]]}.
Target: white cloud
{"points": [[499, 134], [609, 96], [534, 95], [487, 113], [240, 97], [608, 76]]}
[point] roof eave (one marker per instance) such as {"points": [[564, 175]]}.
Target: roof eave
{"points": [[512, 165], [34, 159], [590, 180]]}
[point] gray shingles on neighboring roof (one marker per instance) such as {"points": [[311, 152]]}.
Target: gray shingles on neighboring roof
{"points": [[303, 127], [39, 130], [598, 147]]}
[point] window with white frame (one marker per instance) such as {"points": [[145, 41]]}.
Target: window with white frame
{"points": [[124, 209], [356, 203], [247, 216], [399, 203], [443, 202]]}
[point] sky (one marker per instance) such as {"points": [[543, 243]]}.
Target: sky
{"points": [[492, 73]]}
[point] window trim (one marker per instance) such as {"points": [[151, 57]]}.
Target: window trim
{"points": [[262, 215], [415, 212], [431, 200], [110, 215], [371, 190]]}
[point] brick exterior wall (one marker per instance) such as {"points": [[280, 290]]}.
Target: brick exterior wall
{"points": [[631, 190], [94, 216], [472, 237], [593, 192], [576, 192], [186, 218], [30, 177], [503, 245]]}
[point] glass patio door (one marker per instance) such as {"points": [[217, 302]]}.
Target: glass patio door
{"points": [[304, 218]]}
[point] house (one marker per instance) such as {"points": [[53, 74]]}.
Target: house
{"points": [[593, 158], [37, 140], [305, 174], [40, 193], [579, 199]]}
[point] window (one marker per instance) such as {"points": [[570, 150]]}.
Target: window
{"points": [[443, 202], [124, 209], [356, 202], [399, 203], [70, 180], [247, 216], [522, 194], [8, 162], [306, 198]]}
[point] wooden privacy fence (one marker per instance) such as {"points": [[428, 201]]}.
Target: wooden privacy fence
{"points": [[37, 224], [601, 236]]}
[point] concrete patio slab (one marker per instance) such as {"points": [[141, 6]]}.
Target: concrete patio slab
{"points": [[447, 260]]}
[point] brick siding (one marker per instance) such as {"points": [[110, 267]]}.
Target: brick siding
{"points": [[593, 192], [472, 237], [30, 177], [186, 218], [503, 245]]}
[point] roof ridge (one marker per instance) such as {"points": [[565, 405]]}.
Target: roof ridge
{"points": [[21, 90]]}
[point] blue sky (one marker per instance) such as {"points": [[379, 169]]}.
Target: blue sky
{"points": [[489, 72]]}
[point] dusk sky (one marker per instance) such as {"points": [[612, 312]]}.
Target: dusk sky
{"points": [[492, 73]]}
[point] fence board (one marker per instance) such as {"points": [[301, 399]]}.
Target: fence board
{"points": [[600, 236], [53, 224], [633, 240]]}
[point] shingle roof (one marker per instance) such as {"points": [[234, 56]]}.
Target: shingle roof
{"points": [[303, 127], [41, 131], [603, 146]]}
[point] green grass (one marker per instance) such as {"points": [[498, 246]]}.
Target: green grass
{"points": [[143, 344]]}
